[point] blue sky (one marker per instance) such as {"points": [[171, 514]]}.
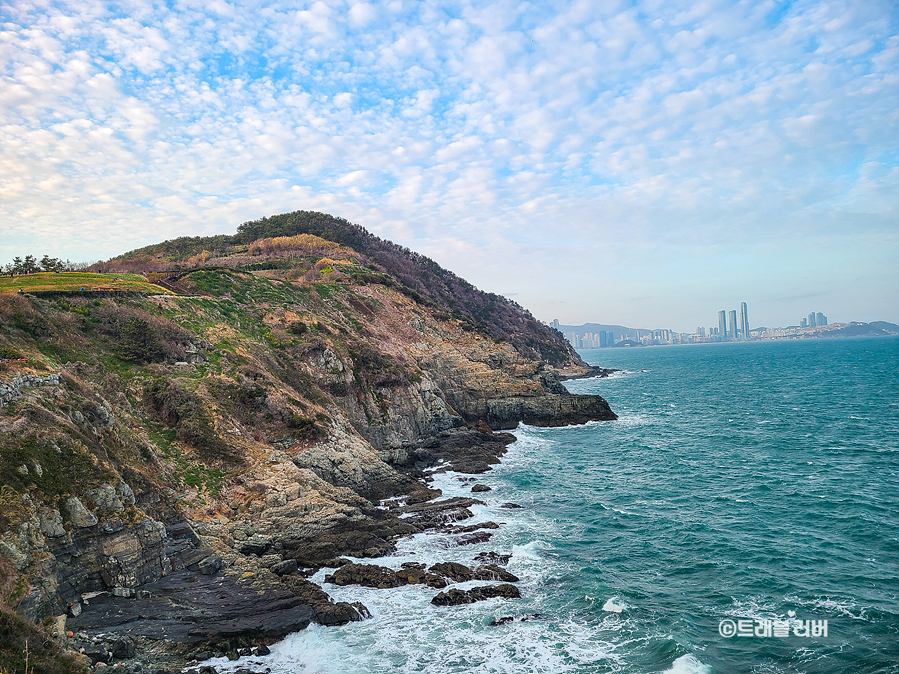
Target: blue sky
{"points": [[641, 163]]}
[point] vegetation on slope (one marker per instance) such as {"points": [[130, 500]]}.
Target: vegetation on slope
{"points": [[285, 241], [74, 281]]}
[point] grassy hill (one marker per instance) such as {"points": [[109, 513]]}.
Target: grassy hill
{"points": [[417, 276], [74, 281]]}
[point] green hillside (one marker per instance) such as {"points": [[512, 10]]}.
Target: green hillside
{"points": [[74, 281]]}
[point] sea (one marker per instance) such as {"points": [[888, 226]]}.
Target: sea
{"points": [[742, 515]]}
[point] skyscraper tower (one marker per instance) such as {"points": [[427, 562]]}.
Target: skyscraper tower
{"points": [[722, 328], [744, 320], [811, 320], [820, 319], [732, 320]]}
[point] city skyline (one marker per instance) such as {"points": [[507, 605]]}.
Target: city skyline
{"points": [[604, 335]]}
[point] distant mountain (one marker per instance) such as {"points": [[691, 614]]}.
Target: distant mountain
{"points": [[873, 329]]}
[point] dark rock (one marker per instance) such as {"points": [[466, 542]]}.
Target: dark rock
{"points": [[262, 650], [96, 653], [491, 557], [255, 545], [480, 488], [326, 611], [368, 575], [233, 654], [468, 528], [477, 537], [455, 597], [493, 572], [413, 565], [509, 618], [456, 572], [439, 513], [341, 613], [208, 669], [122, 648], [548, 410], [416, 576], [594, 371], [482, 427], [286, 567], [473, 466], [466, 450], [363, 612], [191, 610], [510, 505], [210, 565]]}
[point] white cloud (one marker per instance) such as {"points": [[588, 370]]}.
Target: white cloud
{"points": [[481, 123]]}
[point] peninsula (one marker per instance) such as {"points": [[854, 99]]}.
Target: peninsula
{"points": [[180, 450]]}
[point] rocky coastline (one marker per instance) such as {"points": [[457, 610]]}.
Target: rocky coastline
{"points": [[169, 488], [202, 606]]}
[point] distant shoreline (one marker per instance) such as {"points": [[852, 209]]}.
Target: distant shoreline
{"points": [[765, 340]]}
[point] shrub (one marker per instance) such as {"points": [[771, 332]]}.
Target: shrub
{"points": [[174, 406], [140, 337], [304, 426]]}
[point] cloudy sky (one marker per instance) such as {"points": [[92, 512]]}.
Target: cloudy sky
{"points": [[643, 163]]}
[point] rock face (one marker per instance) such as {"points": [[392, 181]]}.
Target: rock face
{"points": [[188, 609]]}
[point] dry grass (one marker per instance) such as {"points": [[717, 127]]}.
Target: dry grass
{"points": [[74, 281]]}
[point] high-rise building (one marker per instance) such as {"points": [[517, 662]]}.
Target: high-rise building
{"points": [[722, 328], [803, 323], [732, 323], [555, 323], [811, 320], [820, 319], [744, 320]]}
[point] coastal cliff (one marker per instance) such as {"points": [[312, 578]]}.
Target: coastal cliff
{"points": [[191, 457]]}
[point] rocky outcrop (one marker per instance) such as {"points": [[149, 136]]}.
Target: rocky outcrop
{"points": [[438, 575], [454, 597], [12, 388], [189, 609]]}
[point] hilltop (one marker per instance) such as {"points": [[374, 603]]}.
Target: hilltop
{"points": [[265, 244], [190, 456]]}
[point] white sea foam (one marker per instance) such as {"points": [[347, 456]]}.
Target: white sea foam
{"points": [[408, 634], [688, 664], [614, 605]]}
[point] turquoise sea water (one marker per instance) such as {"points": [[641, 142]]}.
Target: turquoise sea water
{"points": [[742, 482]]}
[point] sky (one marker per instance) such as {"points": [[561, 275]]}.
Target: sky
{"points": [[641, 163]]}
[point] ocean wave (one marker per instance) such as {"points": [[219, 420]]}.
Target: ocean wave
{"points": [[688, 664], [614, 605]]}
